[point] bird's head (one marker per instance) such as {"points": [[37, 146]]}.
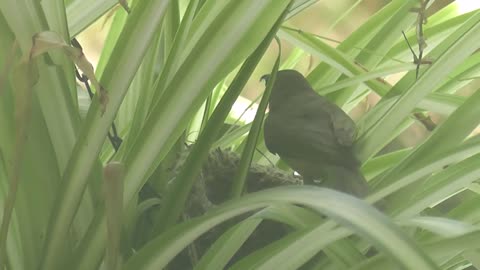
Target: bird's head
{"points": [[288, 83]]}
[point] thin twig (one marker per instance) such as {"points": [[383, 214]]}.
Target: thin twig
{"points": [[113, 137]]}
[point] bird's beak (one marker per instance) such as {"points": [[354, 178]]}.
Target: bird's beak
{"points": [[265, 78]]}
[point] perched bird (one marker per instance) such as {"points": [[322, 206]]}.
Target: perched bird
{"points": [[312, 135]]}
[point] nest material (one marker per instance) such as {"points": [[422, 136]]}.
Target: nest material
{"points": [[214, 182], [213, 186]]}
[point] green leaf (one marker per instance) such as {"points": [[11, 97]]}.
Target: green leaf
{"points": [[344, 209]]}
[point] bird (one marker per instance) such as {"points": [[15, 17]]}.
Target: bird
{"points": [[312, 135]]}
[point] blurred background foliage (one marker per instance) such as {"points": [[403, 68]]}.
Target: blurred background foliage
{"points": [[334, 20]]}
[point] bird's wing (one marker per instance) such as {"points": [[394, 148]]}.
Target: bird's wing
{"points": [[343, 126], [308, 136]]}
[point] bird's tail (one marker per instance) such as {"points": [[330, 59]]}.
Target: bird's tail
{"points": [[347, 180]]}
